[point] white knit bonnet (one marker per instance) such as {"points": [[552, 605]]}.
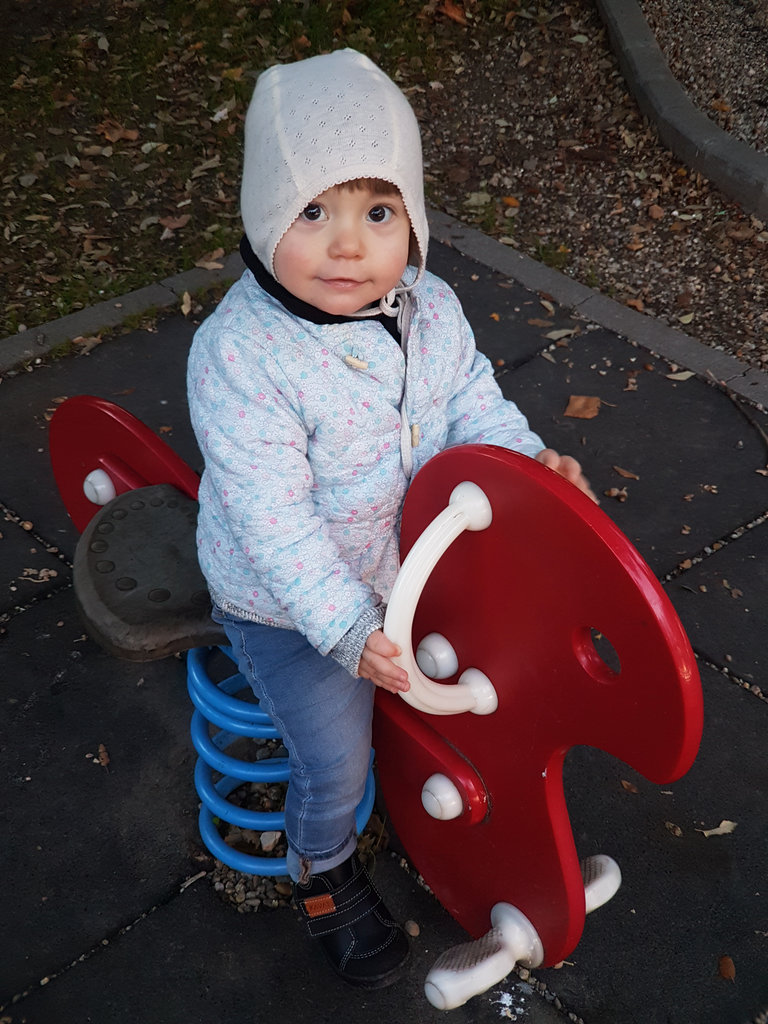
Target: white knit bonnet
{"points": [[318, 123]]}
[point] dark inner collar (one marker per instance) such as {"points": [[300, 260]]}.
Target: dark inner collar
{"points": [[297, 307]]}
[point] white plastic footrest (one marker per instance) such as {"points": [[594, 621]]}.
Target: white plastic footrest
{"points": [[602, 878], [474, 967]]}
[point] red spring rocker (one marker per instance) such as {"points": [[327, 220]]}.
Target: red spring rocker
{"points": [[537, 627]]}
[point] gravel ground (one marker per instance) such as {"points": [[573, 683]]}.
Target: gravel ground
{"points": [[718, 50], [537, 140]]}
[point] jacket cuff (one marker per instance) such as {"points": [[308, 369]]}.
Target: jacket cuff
{"points": [[349, 650]]}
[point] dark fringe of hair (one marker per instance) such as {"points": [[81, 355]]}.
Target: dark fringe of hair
{"points": [[378, 186]]}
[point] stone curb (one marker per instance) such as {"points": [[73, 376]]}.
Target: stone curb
{"points": [[740, 171], [105, 316], [659, 339]]}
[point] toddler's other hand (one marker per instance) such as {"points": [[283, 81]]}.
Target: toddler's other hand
{"points": [[566, 466], [376, 664]]}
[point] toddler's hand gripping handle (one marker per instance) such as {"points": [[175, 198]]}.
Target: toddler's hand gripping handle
{"points": [[468, 509]]}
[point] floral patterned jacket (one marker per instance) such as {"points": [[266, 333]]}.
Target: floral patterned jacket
{"points": [[310, 435]]}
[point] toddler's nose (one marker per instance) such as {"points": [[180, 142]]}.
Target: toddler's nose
{"points": [[346, 242]]}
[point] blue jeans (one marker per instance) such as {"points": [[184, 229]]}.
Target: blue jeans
{"points": [[324, 717]]}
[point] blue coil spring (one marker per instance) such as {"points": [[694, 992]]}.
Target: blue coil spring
{"points": [[216, 704]]}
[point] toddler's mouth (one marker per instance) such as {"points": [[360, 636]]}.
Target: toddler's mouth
{"points": [[341, 282]]}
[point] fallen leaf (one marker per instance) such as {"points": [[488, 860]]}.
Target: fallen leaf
{"points": [[740, 233], [630, 787], [675, 830], [211, 260], [477, 199], [655, 212], [726, 968], [496, 317], [186, 304], [87, 344], [103, 756], [208, 165], [511, 201], [626, 473], [538, 322], [548, 306], [174, 223], [682, 375], [582, 407], [619, 493], [723, 829], [114, 132], [567, 332], [686, 318], [450, 10], [637, 304]]}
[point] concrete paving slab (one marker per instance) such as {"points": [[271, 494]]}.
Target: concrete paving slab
{"points": [[29, 571], [695, 454], [143, 371], [86, 848], [500, 309], [651, 954], [722, 603], [194, 960]]}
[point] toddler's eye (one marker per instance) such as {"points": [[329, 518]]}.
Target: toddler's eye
{"points": [[380, 214], [313, 212]]}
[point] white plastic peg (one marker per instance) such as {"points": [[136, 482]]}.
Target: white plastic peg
{"points": [[436, 657], [98, 487], [441, 798]]}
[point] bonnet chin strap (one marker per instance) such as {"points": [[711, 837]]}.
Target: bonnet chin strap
{"points": [[394, 303]]}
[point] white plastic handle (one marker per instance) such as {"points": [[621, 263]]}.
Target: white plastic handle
{"points": [[468, 509]]}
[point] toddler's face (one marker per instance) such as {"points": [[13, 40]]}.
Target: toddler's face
{"points": [[347, 249]]}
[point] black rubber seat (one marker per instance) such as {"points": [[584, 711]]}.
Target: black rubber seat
{"points": [[138, 585]]}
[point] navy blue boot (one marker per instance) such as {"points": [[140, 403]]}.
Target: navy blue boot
{"points": [[345, 913]]}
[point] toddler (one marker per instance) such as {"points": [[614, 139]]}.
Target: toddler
{"points": [[325, 379]]}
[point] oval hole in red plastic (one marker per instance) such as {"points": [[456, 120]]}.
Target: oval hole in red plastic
{"points": [[597, 655]]}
